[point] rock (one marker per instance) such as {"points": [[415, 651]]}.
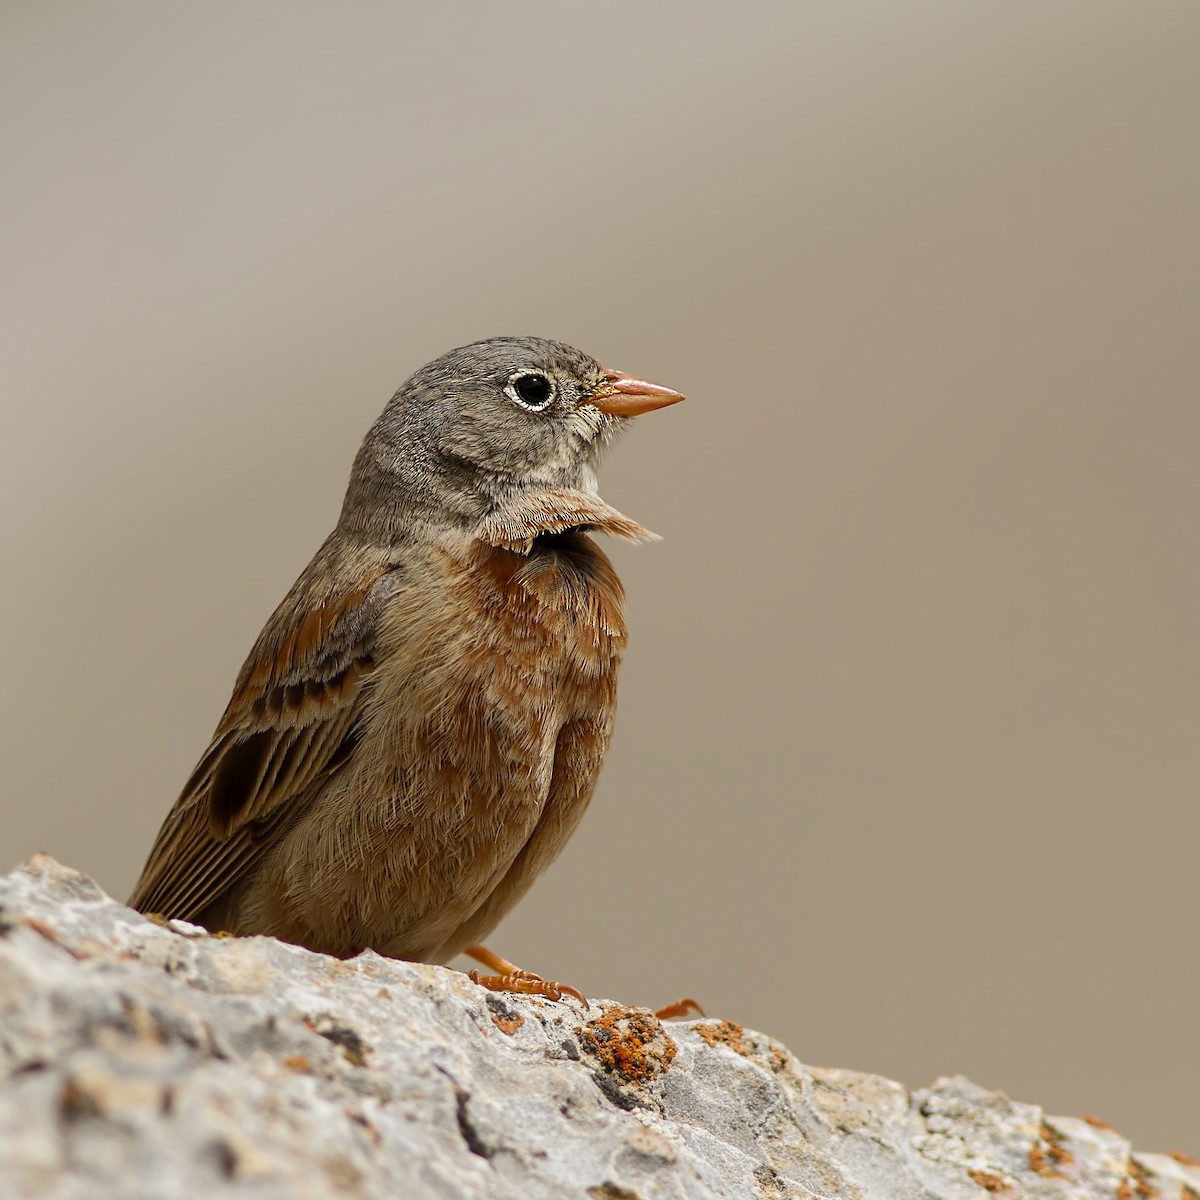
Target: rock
{"points": [[147, 1060]]}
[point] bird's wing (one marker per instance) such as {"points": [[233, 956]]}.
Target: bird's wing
{"points": [[293, 720]]}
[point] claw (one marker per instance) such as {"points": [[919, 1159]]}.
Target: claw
{"points": [[510, 978], [526, 983], [680, 1008]]}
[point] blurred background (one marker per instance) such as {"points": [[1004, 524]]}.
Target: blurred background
{"points": [[908, 758]]}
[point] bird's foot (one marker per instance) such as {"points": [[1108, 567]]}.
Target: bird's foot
{"points": [[680, 1008], [510, 978], [527, 984]]}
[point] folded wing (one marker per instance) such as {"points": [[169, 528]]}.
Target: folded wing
{"points": [[293, 720]]}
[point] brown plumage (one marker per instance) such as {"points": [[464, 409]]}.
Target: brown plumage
{"points": [[420, 725]]}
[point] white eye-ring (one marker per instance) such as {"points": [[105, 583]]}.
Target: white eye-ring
{"points": [[531, 390]]}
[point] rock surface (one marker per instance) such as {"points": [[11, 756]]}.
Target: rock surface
{"points": [[142, 1060]]}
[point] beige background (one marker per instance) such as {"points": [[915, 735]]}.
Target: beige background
{"points": [[907, 765]]}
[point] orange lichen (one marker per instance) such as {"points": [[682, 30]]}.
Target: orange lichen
{"points": [[1136, 1185], [1188, 1161], [1055, 1155], [508, 1025], [628, 1043], [989, 1181], [1097, 1123], [300, 1063], [725, 1033]]}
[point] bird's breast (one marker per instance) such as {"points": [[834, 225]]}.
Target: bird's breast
{"points": [[558, 610], [490, 666], [487, 653]]}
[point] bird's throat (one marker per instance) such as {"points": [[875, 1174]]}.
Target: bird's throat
{"points": [[520, 519]]}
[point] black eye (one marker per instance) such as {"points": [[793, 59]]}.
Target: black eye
{"points": [[531, 389]]}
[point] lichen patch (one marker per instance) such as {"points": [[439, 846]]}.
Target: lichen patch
{"points": [[725, 1033]]}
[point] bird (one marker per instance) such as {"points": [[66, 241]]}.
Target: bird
{"points": [[420, 725]]}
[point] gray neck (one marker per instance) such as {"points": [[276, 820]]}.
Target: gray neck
{"points": [[386, 501], [394, 502]]}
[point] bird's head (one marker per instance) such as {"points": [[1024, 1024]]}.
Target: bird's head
{"points": [[495, 426]]}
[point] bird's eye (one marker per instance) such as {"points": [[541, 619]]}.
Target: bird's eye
{"points": [[531, 390]]}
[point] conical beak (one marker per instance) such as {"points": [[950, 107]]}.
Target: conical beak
{"points": [[623, 396]]}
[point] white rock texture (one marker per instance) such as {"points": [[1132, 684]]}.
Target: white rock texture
{"points": [[148, 1061]]}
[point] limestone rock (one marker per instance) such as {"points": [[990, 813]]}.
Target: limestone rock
{"points": [[141, 1060]]}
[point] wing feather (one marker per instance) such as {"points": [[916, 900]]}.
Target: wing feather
{"points": [[291, 722]]}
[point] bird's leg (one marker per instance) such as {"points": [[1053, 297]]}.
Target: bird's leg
{"points": [[680, 1008], [510, 978]]}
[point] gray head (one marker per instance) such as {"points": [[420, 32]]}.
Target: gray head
{"points": [[486, 422]]}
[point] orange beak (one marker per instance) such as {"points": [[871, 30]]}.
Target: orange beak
{"points": [[623, 396]]}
